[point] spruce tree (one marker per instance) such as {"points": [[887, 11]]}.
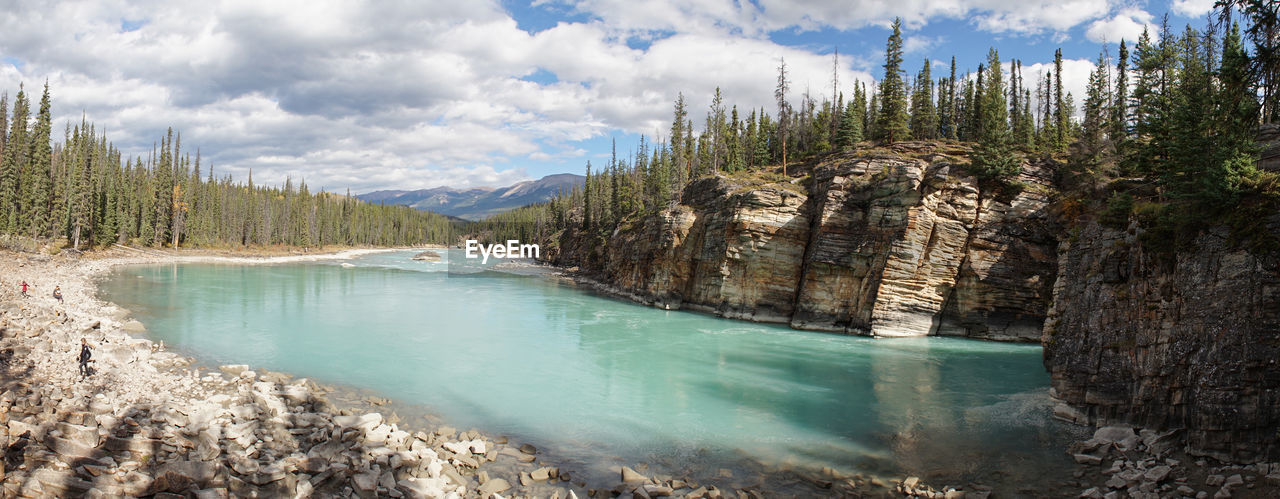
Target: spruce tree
{"points": [[850, 131], [924, 115], [17, 152], [1061, 111], [678, 155], [1236, 114], [587, 206], [1120, 104], [892, 121], [784, 110], [1096, 114], [993, 156], [40, 198]]}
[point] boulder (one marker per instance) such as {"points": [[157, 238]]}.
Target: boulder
{"points": [[629, 476], [493, 486], [1113, 434], [84, 435], [427, 256], [1157, 474]]}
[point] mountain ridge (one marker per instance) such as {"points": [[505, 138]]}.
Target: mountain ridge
{"points": [[477, 202]]}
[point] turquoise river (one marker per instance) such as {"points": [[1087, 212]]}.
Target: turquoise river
{"points": [[599, 382]]}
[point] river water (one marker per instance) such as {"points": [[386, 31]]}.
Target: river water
{"points": [[601, 382]]}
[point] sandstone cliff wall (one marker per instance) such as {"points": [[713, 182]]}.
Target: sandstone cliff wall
{"points": [[891, 245], [1190, 341]]}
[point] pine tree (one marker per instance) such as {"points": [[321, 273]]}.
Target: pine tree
{"points": [[948, 111], [1236, 114], [40, 198], [924, 115], [1093, 134], [993, 156], [13, 163], [587, 207], [784, 110], [1120, 104], [892, 121], [1061, 111], [678, 154], [850, 131]]}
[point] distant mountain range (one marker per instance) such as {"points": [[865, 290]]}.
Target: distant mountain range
{"points": [[479, 202]]}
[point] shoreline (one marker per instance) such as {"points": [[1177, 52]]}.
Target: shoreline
{"points": [[149, 421], [153, 421]]}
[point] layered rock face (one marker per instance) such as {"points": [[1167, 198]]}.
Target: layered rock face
{"points": [[1188, 341], [893, 245]]}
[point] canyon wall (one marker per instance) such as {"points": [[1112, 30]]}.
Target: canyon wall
{"points": [[1188, 340], [901, 243], [905, 243]]}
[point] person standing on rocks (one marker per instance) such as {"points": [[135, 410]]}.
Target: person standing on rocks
{"points": [[24, 289], [57, 293], [85, 355]]}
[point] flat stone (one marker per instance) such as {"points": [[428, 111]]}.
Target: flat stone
{"points": [[528, 449], [1112, 434], [1157, 474], [1233, 481], [73, 450], [365, 482], [80, 434], [493, 486], [629, 475], [1089, 459], [63, 483]]}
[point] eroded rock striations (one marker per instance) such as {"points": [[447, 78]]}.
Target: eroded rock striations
{"points": [[1190, 340], [902, 244]]}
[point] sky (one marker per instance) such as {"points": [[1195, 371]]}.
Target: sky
{"points": [[409, 94]]}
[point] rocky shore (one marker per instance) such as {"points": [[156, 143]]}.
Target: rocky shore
{"points": [[149, 422]]}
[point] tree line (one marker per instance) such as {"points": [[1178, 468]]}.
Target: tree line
{"points": [[1180, 113], [84, 189]]}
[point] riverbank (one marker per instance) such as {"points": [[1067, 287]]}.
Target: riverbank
{"points": [[148, 421]]}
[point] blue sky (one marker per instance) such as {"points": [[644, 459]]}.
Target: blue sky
{"points": [[366, 95]]}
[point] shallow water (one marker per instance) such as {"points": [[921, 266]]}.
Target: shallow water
{"points": [[598, 381]]}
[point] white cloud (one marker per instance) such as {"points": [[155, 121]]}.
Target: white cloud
{"points": [[997, 16], [1192, 8], [1125, 25], [913, 44], [1075, 79], [366, 94]]}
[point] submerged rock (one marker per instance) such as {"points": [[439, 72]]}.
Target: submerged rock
{"points": [[427, 256]]}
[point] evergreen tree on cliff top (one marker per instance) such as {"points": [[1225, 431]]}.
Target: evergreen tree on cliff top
{"points": [[924, 115], [993, 156], [891, 125]]}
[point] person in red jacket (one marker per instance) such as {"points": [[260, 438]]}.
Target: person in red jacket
{"points": [[24, 288]]}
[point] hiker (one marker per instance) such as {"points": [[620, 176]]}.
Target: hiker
{"points": [[57, 293], [24, 289], [85, 356]]}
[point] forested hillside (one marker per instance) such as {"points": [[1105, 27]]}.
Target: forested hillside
{"points": [[85, 190], [1168, 133]]}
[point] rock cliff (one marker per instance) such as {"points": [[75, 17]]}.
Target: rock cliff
{"points": [[898, 243], [1167, 341]]}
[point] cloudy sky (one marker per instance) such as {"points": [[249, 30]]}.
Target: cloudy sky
{"points": [[419, 93]]}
